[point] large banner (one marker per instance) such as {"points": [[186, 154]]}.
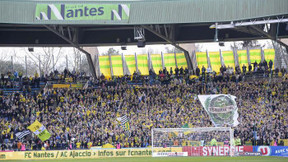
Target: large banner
{"points": [[215, 150], [62, 12], [272, 150], [83, 154], [40, 130], [221, 108]]}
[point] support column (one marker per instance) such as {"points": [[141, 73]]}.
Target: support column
{"points": [[236, 60], [188, 60], [123, 64], [74, 42], [136, 62], [176, 59], [248, 56], [162, 60], [149, 61], [194, 60], [110, 62], [189, 47], [221, 58], [262, 55], [97, 66], [208, 60]]}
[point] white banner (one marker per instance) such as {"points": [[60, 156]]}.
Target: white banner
{"points": [[165, 154], [221, 108]]}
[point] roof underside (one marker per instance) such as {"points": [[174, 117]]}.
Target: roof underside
{"points": [[154, 11], [189, 19]]}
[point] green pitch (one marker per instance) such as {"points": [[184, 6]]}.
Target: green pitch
{"points": [[175, 159]]}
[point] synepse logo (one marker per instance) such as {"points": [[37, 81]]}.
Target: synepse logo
{"points": [[265, 150], [82, 12]]}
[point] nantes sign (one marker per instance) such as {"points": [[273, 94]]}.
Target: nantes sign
{"points": [[104, 12]]}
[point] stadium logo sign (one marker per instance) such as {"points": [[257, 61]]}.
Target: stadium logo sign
{"points": [[222, 109], [265, 150], [62, 12]]}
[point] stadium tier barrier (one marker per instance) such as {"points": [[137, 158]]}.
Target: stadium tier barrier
{"points": [[142, 152], [83, 154]]}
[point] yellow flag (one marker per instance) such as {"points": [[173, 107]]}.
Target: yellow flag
{"points": [[39, 129], [35, 126]]}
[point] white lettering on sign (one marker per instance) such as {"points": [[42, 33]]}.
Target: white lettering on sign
{"points": [[220, 150]]}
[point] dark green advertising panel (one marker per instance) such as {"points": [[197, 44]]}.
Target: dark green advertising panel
{"points": [[63, 12]]}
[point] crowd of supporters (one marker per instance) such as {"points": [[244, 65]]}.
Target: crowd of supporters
{"points": [[81, 118]]}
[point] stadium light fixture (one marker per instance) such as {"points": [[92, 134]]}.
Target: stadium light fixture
{"points": [[123, 47], [141, 44], [222, 44], [30, 49], [216, 33]]}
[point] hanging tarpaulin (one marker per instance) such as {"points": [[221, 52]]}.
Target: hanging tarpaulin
{"points": [[156, 62], [201, 58], [255, 55], [242, 57], [169, 61], [142, 61], [181, 60], [131, 63], [104, 64], [222, 109], [215, 61], [269, 54], [228, 58], [117, 65]]}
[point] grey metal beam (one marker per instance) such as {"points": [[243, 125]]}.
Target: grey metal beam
{"points": [[248, 23], [189, 63], [269, 36], [110, 62], [74, 44]]}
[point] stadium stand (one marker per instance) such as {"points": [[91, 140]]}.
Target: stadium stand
{"points": [[80, 118]]}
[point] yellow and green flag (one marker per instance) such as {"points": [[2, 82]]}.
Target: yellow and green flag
{"points": [[117, 65], [255, 55], [156, 62], [242, 57], [269, 54], [228, 58], [215, 61], [40, 130], [181, 60], [142, 61], [104, 64], [131, 63], [201, 58], [169, 61]]}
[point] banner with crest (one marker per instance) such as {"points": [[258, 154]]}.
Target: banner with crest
{"points": [[222, 109]]}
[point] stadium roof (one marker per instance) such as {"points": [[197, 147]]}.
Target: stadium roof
{"points": [[153, 11]]}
